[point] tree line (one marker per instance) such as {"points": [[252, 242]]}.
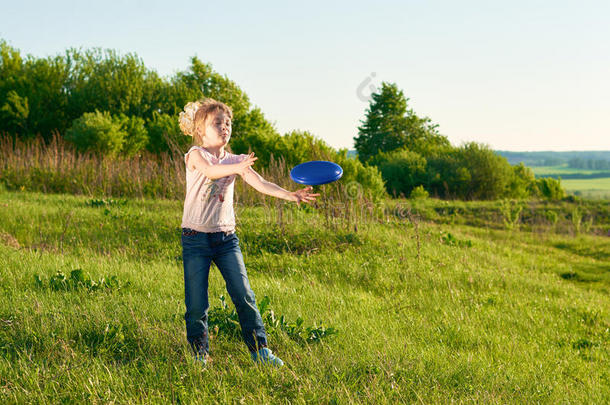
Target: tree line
{"points": [[589, 164], [102, 101], [412, 155]]}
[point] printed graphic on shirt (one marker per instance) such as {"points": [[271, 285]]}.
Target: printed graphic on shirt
{"points": [[216, 189]]}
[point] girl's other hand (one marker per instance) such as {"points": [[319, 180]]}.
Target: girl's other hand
{"points": [[245, 164], [303, 195]]}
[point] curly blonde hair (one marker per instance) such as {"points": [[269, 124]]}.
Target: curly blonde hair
{"points": [[196, 112]]}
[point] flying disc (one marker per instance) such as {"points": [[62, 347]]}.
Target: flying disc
{"points": [[316, 172]]}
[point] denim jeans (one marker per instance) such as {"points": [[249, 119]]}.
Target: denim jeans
{"points": [[199, 249]]}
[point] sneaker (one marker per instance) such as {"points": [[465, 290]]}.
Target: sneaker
{"points": [[266, 356], [200, 354]]}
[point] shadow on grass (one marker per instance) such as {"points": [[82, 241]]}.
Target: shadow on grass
{"points": [[306, 242], [588, 273], [115, 342], [118, 342], [589, 250]]}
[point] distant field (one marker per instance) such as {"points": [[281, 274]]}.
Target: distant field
{"points": [[587, 186], [592, 188], [560, 170]]}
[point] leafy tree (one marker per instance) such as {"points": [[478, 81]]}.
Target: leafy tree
{"points": [[42, 95], [14, 112], [252, 132], [32, 99], [44, 87], [389, 124], [107, 81], [11, 65]]}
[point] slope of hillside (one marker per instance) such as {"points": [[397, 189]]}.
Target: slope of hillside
{"points": [[432, 313]]}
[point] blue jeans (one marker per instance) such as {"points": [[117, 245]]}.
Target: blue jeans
{"points": [[199, 249]]}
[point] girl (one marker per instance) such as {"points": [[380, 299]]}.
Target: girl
{"points": [[208, 226]]}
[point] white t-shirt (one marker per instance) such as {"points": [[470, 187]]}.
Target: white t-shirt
{"points": [[208, 204]]}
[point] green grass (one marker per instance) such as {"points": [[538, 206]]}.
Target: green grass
{"points": [[561, 170], [591, 188], [486, 315]]}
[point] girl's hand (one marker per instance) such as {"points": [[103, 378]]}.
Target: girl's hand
{"points": [[303, 195], [242, 167]]}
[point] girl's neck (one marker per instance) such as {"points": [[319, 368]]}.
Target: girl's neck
{"points": [[217, 151]]}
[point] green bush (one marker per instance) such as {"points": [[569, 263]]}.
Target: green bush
{"points": [[472, 172], [550, 189], [97, 132], [368, 178], [163, 131], [137, 135], [419, 193], [490, 173], [114, 135], [301, 146], [402, 170], [522, 183]]}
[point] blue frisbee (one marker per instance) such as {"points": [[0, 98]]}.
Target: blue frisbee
{"points": [[316, 172]]}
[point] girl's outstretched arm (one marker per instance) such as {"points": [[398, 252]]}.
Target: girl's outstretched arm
{"points": [[198, 162], [266, 187]]}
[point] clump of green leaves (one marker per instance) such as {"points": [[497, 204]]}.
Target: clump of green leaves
{"points": [[552, 217], [511, 213], [295, 330], [77, 280], [100, 202], [447, 238], [226, 321], [419, 193]]}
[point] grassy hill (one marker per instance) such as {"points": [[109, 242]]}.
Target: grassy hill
{"points": [[424, 312]]}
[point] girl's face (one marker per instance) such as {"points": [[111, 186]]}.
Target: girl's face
{"points": [[217, 130]]}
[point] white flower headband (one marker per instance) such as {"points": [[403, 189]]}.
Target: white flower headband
{"points": [[187, 117]]}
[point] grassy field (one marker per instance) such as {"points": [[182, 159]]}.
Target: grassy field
{"points": [[589, 188], [432, 313], [560, 170], [580, 182]]}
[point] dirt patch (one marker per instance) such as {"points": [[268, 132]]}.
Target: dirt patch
{"points": [[9, 240]]}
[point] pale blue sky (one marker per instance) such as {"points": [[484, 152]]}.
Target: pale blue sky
{"points": [[519, 75]]}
